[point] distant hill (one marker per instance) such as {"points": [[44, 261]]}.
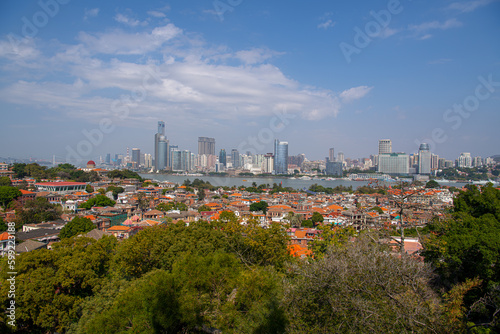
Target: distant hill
{"points": [[496, 157]]}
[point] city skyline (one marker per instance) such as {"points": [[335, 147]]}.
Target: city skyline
{"points": [[93, 78]]}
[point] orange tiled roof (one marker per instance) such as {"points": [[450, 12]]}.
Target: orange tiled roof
{"points": [[4, 236], [119, 228]]}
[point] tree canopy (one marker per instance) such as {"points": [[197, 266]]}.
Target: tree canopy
{"points": [[76, 226], [98, 200]]}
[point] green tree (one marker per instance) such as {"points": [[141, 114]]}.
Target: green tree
{"points": [[172, 206], [77, 225], [432, 184], [317, 218], [37, 211], [362, 288], [204, 208], [89, 189], [5, 181], [18, 169], [98, 200], [52, 284], [377, 209], [8, 194], [465, 247], [307, 223], [331, 236], [3, 225], [259, 206]]}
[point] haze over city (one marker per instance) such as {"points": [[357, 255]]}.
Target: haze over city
{"points": [[317, 75]]}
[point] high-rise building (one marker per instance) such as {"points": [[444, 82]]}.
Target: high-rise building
{"points": [[206, 145], [464, 160], [235, 158], [268, 164], [384, 146], [424, 159], [136, 157], [280, 157], [170, 150], [477, 162], [334, 168], [148, 160], [340, 157], [434, 162], [161, 159], [222, 157], [331, 154], [108, 159], [393, 163]]}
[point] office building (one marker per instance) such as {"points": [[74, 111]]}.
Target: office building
{"points": [[268, 164], [334, 168], [464, 160], [235, 158], [148, 160], [331, 155], [340, 157], [424, 159], [163, 154], [108, 159], [384, 146], [280, 157], [222, 157], [393, 163], [136, 157], [161, 157], [206, 145]]}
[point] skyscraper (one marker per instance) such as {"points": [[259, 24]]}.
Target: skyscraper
{"points": [[280, 157], [393, 163], [222, 157], [331, 155], [161, 151], [424, 159], [384, 146], [136, 157], [206, 145], [235, 158], [464, 160]]}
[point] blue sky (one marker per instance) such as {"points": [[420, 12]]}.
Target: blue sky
{"points": [[82, 79]]}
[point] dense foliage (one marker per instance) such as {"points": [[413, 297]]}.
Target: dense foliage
{"points": [[76, 226], [467, 246], [99, 201], [229, 277], [64, 171]]}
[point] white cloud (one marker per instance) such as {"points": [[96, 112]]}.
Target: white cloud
{"points": [[327, 24], [421, 30], [469, 6], [156, 13], [126, 20], [187, 81], [119, 42], [90, 13], [255, 55], [18, 49], [354, 93], [388, 32]]}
